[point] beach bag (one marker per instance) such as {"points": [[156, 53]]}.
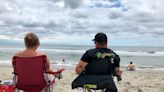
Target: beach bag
{"points": [[6, 86], [98, 81]]}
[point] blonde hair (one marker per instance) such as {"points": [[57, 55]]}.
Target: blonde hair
{"points": [[31, 40]]}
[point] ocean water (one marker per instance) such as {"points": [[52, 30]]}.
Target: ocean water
{"points": [[143, 57]]}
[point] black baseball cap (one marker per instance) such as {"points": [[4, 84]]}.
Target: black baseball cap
{"points": [[100, 38]]}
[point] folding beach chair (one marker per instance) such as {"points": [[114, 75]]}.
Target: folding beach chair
{"points": [[93, 77], [31, 74]]}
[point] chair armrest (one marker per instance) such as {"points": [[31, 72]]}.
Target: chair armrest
{"points": [[57, 72]]}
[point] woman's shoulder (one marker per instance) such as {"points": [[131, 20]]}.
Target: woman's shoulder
{"points": [[23, 54], [19, 53], [39, 53]]}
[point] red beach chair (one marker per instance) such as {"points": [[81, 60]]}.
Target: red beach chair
{"points": [[31, 75]]}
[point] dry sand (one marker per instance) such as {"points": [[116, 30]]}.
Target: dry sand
{"points": [[138, 81]]}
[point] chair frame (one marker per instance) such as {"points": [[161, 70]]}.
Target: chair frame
{"points": [[90, 88]]}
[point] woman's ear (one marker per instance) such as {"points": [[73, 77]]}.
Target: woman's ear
{"points": [[36, 47]]}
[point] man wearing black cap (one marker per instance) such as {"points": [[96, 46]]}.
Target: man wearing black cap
{"points": [[100, 61]]}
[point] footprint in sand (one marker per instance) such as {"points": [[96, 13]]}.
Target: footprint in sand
{"points": [[140, 90], [127, 83], [133, 89], [125, 90]]}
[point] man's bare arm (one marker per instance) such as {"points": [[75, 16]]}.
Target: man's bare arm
{"points": [[80, 67], [117, 71]]}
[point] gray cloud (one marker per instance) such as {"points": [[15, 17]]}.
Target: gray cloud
{"points": [[64, 18], [73, 3]]}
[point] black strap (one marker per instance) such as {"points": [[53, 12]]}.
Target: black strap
{"points": [[110, 62]]}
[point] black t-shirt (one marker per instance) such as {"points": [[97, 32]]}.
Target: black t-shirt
{"points": [[100, 61]]}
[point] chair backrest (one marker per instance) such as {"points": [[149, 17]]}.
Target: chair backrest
{"points": [[30, 72], [99, 66], [101, 61]]}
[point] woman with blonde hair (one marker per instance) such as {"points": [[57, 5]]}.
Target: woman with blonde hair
{"points": [[32, 43]]}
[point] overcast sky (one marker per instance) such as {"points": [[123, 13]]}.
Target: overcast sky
{"points": [[126, 22]]}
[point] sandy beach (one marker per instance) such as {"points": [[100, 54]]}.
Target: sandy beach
{"points": [[138, 81]]}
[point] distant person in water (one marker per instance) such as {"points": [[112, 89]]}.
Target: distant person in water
{"points": [[63, 60], [32, 44], [131, 67]]}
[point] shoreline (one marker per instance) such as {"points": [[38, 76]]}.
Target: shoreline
{"points": [[72, 66]]}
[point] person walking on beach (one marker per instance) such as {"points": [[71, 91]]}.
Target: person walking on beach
{"points": [[131, 67], [100, 61]]}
